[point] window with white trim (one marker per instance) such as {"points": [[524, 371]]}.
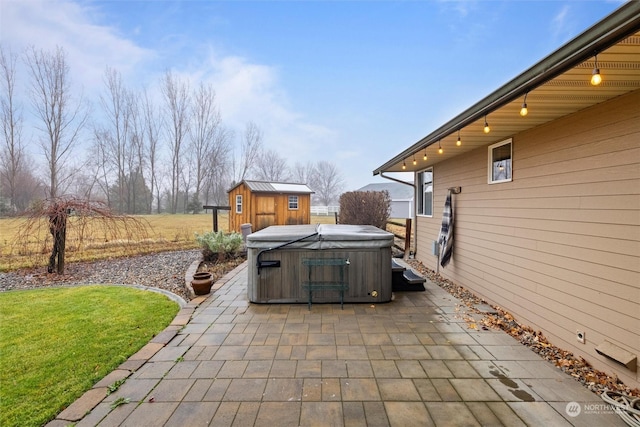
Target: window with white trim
{"points": [[500, 162], [425, 192], [239, 203], [293, 203]]}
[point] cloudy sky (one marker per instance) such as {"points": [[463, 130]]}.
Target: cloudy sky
{"points": [[353, 82]]}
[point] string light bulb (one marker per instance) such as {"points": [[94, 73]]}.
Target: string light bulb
{"points": [[596, 78], [487, 129], [404, 165], [524, 110], [440, 150], [425, 155], [459, 141], [414, 160]]}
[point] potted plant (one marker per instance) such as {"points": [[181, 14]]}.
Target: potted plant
{"points": [[201, 283], [216, 247]]}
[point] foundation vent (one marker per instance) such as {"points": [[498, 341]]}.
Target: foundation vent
{"points": [[618, 354]]}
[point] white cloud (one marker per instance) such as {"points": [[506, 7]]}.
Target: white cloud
{"points": [[89, 47], [247, 91], [462, 8], [559, 23]]}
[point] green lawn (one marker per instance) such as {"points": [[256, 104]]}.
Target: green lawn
{"points": [[57, 343]]}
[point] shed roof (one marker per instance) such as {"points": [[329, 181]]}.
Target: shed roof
{"points": [[275, 187], [396, 190], [556, 86]]}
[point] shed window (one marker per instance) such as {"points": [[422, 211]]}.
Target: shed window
{"points": [[293, 202], [500, 156], [239, 203], [425, 192]]}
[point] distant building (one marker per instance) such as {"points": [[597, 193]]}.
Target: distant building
{"points": [[401, 197]]}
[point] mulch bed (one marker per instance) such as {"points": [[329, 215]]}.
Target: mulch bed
{"points": [[219, 268]]}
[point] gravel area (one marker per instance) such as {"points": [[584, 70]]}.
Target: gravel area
{"points": [[164, 270]]}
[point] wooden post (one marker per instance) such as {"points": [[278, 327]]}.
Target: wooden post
{"points": [[407, 237], [215, 214]]}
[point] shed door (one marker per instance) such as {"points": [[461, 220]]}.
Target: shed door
{"points": [[265, 212]]}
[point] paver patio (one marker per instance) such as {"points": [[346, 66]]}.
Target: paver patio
{"points": [[410, 362]]}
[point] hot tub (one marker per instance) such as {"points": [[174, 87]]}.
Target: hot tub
{"points": [[276, 270]]}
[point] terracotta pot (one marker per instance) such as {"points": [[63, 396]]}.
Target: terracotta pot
{"points": [[201, 283]]}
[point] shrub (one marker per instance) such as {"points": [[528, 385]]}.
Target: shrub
{"points": [[365, 208], [219, 245]]}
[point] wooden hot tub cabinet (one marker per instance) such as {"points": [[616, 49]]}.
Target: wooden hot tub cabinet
{"points": [[276, 271]]}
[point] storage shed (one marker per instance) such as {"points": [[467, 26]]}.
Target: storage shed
{"points": [[263, 204]]}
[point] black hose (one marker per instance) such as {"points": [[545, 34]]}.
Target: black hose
{"points": [[258, 263]]}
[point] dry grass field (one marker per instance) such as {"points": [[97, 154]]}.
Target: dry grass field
{"points": [[160, 233]]}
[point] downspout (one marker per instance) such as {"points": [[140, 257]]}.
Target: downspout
{"points": [[413, 218]]}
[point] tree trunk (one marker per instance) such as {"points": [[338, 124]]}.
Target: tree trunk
{"points": [[58, 229], [62, 235]]}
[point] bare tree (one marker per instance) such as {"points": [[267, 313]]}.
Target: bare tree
{"points": [[327, 181], [100, 163], [187, 177], [152, 126], [176, 95], [115, 137], [30, 187], [249, 152], [140, 194], [302, 173], [62, 118], [270, 166], [12, 159], [209, 140], [220, 175], [85, 183]]}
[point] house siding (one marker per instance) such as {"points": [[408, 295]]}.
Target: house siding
{"points": [[559, 246]]}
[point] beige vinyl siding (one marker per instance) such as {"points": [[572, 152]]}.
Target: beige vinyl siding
{"points": [[559, 246]]}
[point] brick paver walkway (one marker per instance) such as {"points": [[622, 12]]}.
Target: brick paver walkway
{"points": [[410, 362]]}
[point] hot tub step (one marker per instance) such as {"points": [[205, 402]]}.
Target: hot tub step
{"points": [[407, 281], [396, 266], [412, 278]]}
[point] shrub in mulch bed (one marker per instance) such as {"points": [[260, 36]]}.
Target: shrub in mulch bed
{"points": [[219, 246], [595, 380]]}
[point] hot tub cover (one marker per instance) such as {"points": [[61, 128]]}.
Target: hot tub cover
{"points": [[320, 236]]}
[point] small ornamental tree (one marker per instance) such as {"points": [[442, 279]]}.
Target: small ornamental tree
{"points": [[365, 208], [50, 222]]}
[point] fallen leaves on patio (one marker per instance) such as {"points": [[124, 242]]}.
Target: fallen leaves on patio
{"points": [[595, 380]]}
